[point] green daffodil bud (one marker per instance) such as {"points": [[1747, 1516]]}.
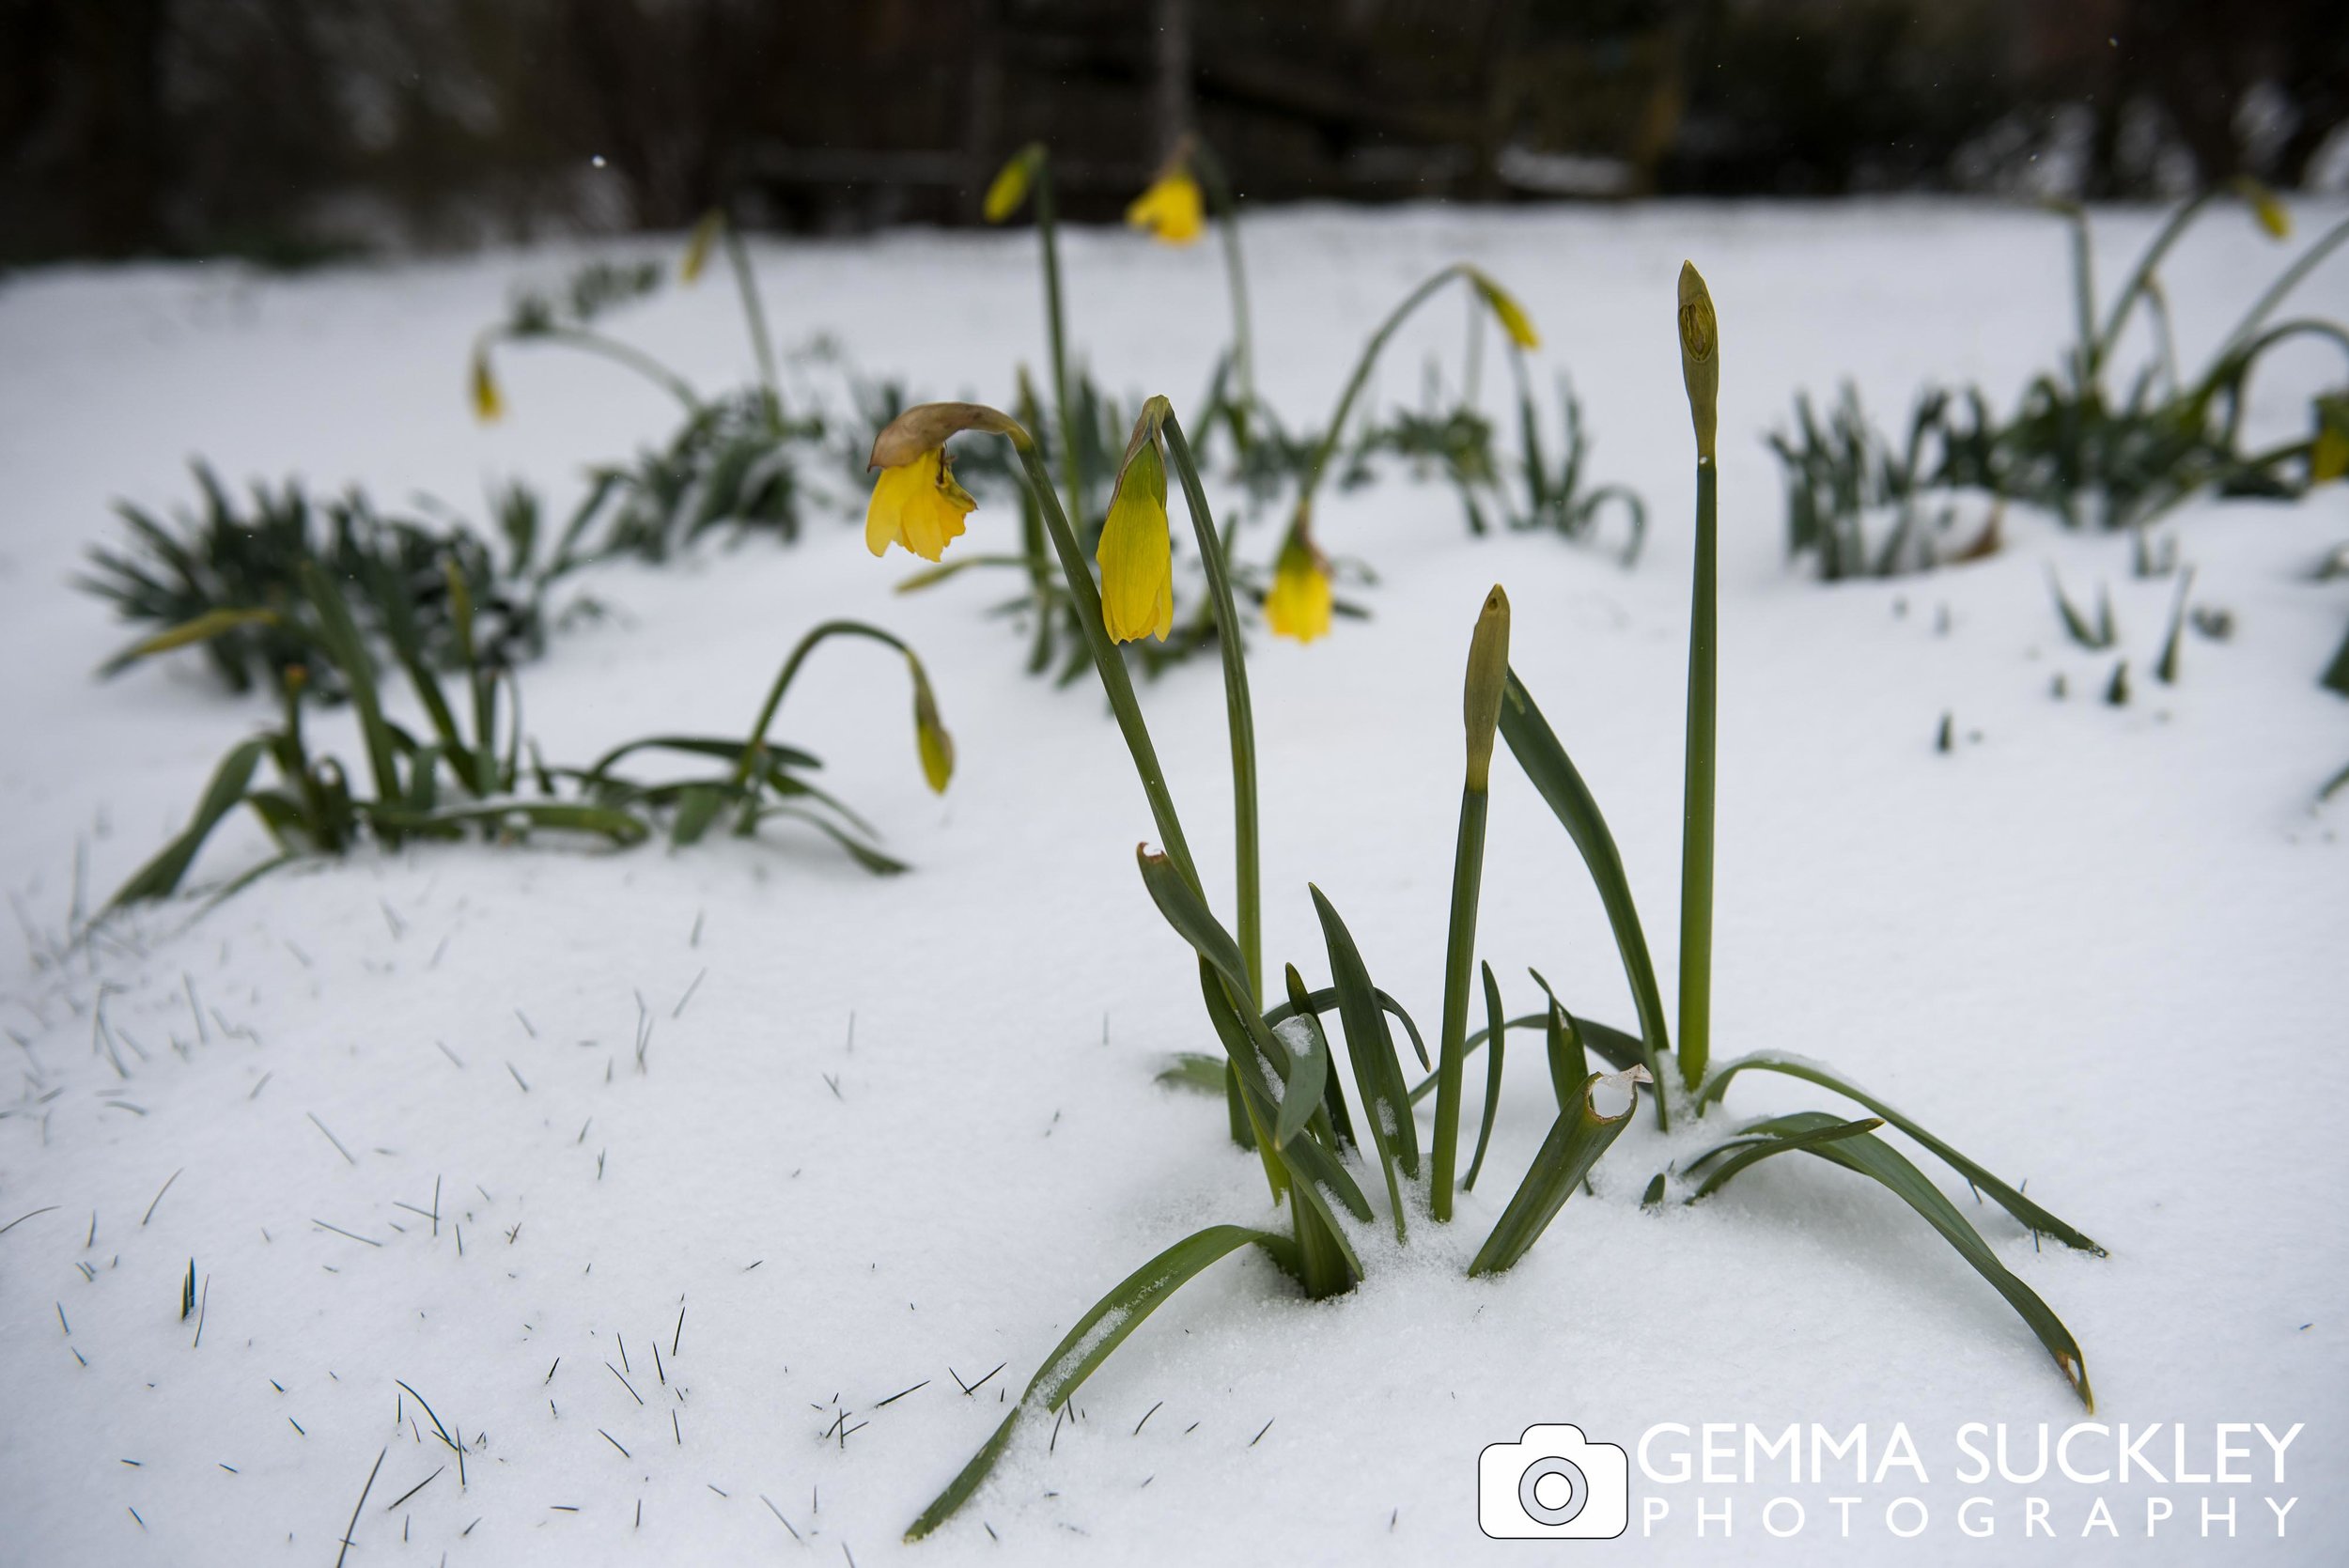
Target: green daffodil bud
{"points": [[1487, 674], [1700, 357]]}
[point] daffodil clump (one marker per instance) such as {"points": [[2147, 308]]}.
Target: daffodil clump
{"points": [[2093, 449], [1280, 1064], [463, 778]]}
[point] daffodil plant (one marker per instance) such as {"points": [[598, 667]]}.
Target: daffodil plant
{"points": [[1289, 1095], [1300, 601], [473, 771], [2094, 453]]}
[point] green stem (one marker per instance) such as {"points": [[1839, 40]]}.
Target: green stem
{"points": [[758, 742], [1227, 213], [1048, 228], [1327, 446], [1696, 842], [754, 316], [1239, 711], [627, 355], [2130, 292], [2083, 296], [2285, 283], [1467, 872], [1116, 683]]}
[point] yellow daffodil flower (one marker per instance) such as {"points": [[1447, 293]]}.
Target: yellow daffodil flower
{"points": [[1298, 604], [1137, 553], [1172, 208], [489, 406], [917, 504]]}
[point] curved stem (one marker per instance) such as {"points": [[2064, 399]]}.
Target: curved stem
{"points": [[758, 742], [2127, 301], [2285, 283], [1327, 446], [1240, 712], [623, 353], [755, 315], [1047, 227]]}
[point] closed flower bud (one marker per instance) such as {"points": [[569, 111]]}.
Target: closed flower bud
{"points": [[1009, 188], [1488, 675], [1700, 357], [1505, 310], [1136, 553], [697, 247], [936, 747], [488, 406]]}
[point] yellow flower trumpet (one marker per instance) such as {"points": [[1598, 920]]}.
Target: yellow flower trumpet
{"points": [[1136, 552], [916, 501], [1298, 604], [1171, 209]]}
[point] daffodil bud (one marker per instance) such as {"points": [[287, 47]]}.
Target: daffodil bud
{"points": [[1136, 552], [2328, 453], [1009, 188], [1700, 357], [1488, 675], [697, 246], [1505, 310], [937, 747], [489, 406], [2272, 216]]}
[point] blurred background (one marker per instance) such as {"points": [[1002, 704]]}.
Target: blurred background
{"points": [[296, 131]]}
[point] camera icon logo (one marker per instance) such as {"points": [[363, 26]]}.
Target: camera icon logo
{"points": [[1553, 1484]]}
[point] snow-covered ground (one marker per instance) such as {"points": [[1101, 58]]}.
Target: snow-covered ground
{"points": [[889, 1134]]}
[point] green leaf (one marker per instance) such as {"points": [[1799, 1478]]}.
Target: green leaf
{"points": [[1370, 1050], [1189, 915], [705, 746], [340, 636], [201, 628], [2007, 1198], [698, 806], [1196, 1072], [1536, 746], [1308, 1073], [1871, 1156], [1576, 1141], [1744, 1150], [1099, 1333], [1496, 1030], [563, 816], [161, 876]]}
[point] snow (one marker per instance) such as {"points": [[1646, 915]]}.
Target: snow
{"points": [[888, 1134]]}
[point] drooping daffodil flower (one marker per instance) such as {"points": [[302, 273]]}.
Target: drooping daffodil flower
{"points": [[1136, 552], [1171, 209], [916, 501], [1300, 602]]}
